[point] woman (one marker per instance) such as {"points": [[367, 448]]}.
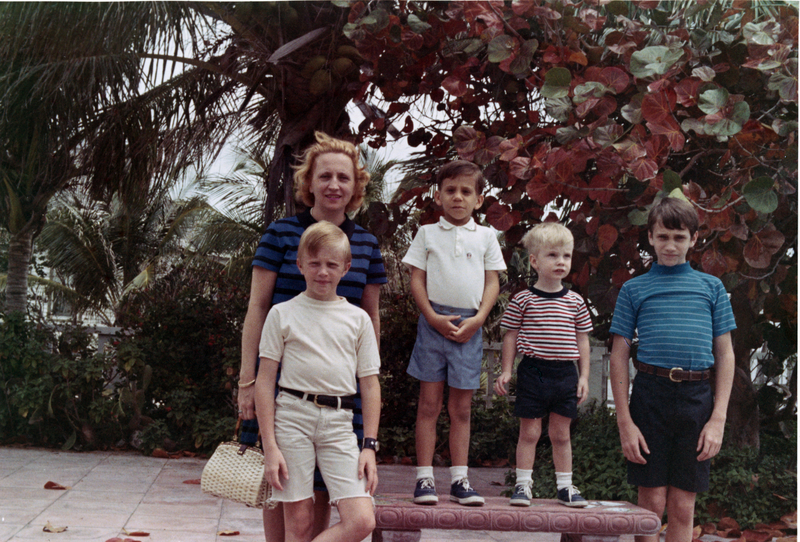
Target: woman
{"points": [[331, 182]]}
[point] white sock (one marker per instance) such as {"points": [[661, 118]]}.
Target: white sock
{"points": [[525, 476], [457, 473], [424, 472], [563, 479]]}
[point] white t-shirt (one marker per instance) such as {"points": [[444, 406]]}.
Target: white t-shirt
{"points": [[455, 259], [323, 346]]}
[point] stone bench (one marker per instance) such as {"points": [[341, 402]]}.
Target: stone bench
{"points": [[398, 519]]}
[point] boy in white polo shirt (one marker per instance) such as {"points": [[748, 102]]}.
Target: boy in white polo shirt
{"points": [[454, 281]]}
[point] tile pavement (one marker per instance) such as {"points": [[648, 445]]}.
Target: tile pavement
{"points": [[114, 492]]}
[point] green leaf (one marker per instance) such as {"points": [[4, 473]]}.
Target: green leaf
{"points": [[559, 108], [656, 60], [755, 33], [760, 194], [672, 181], [500, 48], [70, 441], [556, 83], [713, 100], [638, 217], [417, 25]]}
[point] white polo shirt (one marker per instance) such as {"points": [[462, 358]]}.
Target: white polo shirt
{"points": [[455, 259]]}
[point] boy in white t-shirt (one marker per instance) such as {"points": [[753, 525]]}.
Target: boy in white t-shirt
{"points": [[322, 344], [454, 281]]}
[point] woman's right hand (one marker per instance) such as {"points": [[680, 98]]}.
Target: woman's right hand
{"points": [[275, 467], [247, 403]]}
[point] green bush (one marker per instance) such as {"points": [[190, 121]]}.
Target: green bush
{"points": [[57, 390], [187, 328], [748, 486]]}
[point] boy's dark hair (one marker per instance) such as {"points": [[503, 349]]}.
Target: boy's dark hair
{"points": [[461, 167], [674, 214]]}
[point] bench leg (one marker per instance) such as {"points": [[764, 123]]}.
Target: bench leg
{"points": [[575, 537], [383, 535]]}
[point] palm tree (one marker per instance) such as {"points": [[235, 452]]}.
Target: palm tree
{"points": [[104, 94]]}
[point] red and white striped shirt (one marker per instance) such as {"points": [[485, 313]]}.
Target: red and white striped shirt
{"points": [[547, 323]]}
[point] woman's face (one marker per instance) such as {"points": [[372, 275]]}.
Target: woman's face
{"points": [[332, 182]]}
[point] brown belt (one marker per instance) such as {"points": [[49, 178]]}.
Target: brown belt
{"points": [[676, 374]]}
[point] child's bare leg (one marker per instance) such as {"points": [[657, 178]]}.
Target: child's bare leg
{"points": [[530, 429], [428, 409], [322, 512], [459, 407], [298, 520], [680, 514], [273, 524], [655, 500], [558, 430], [357, 521]]}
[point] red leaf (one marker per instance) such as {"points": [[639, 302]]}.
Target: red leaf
{"points": [[195, 482], [643, 169], [606, 237], [614, 78], [502, 217], [455, 86], [759, 249], [756, 536], [714, 263], [620, 276], [522, 168], [53, 485], [658, 106], [669, 128], [540, 190]]}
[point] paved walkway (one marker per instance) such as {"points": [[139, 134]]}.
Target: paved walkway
{"points": [[114, 492]]}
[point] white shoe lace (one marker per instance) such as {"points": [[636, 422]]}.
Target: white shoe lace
{"points": [[464, 483], [524, 489], [426, 483]]}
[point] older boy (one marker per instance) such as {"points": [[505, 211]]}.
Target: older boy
{"points": [[549, 325], [310, 421], [454, 281], [674, 423]]}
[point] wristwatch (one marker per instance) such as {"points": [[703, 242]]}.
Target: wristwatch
{"points": [[370, 444]]}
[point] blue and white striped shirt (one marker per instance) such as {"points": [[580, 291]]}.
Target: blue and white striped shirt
{"points": [[277, 251], [677, 312]]}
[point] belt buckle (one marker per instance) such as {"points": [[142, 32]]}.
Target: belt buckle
{"points": [[320, 405], [317, 404], [673, 378]]}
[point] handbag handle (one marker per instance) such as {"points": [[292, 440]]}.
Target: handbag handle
{"points": [[245, 446]]}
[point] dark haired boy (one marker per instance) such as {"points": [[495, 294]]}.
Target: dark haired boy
{"points": [[454, 281], [675, 422]]}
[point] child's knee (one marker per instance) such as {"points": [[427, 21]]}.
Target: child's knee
{"points": [[680, 506], [299, 519], [357, 516], [530, 433]]}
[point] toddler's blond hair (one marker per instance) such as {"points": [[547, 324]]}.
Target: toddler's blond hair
{"points": [[547, 234], [322, 235]]}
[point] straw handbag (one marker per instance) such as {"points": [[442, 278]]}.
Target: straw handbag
{"points": [[236, 472]]}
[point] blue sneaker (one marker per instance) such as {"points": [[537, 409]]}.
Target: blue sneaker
{"points": [[425, 492], [570, 496], [462, 493], [522, 495]]}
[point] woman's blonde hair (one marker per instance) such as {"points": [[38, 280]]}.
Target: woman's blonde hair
{"points": [[547, 234], [305, 168]]}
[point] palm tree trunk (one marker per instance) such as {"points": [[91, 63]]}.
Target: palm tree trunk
{"points": [[19, 259]]}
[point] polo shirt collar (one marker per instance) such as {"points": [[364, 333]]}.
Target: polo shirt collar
{"points": [[445, 225], [306, 219]]}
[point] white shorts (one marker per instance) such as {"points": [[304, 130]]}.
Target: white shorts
{"points": [[307, 435]]}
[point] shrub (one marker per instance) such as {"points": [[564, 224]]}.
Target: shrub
{"points": [[187, 328], [57, 390], [746, 485]]}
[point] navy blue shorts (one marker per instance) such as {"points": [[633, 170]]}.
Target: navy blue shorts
{"points": [[545, 386], [671, 416], [249, 433]]}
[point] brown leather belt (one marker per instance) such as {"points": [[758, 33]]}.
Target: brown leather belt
{"points": [[676, 374], [331, 401]]}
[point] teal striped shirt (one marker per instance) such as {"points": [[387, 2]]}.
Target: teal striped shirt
{"points": [[677, 312]]}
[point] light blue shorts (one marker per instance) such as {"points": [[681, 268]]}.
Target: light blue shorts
{"points": [[437, 359]]}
